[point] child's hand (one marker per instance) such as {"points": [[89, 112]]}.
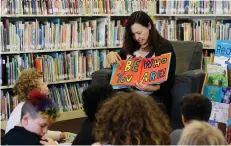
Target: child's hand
{"points": [[63, 135], [48, 141]]}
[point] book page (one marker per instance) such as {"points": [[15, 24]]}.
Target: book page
{"points": [[155, 69], [128, 73], [220, 112]]}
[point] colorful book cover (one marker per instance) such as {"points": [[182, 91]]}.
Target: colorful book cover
{"points": [[223, 53], [217, 75], [213, 93], [226, 95], [220, 112], [148, 71]]}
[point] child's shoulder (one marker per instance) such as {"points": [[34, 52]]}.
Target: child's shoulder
{"points": [[20, 136]]}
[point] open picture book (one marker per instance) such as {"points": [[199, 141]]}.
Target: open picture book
{"points": [[146, 70]]}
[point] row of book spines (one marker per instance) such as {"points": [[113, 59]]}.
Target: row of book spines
{"points": [[6, 105], [77, 7], [35, 36], [194, 7], [206, 31], [67, 97], [55, 67]]}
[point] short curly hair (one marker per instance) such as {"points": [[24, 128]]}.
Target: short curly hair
{"points": [[93, 97], [27, 81], [131, 119]]}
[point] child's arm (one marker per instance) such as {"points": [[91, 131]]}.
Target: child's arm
{"points": [[55, 135]]}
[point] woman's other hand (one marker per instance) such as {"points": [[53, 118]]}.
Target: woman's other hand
{"points": [[145, 87], [63, 135], [114, 57]]}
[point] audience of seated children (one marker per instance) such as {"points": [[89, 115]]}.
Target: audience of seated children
{"points": [[131, 119], [201, 133], [193, 107], [29, 79], [92, 97], [37, 113]]}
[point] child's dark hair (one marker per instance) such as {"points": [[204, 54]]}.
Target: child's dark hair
{"points": [[39, 103], [196, 107], [93, 96]]}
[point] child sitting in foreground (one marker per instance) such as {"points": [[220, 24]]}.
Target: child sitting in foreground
{"points": [[38, 112], [29, 80], [201, 133]]}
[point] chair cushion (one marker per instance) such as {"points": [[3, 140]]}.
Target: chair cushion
{"points": [[188, 55]]}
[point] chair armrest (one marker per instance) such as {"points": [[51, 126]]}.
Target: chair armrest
{"points": [[185, 83], [102, 76]]}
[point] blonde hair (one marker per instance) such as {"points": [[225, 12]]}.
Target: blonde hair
{"points": [[201, 133], [131, 119], [27, 81]]}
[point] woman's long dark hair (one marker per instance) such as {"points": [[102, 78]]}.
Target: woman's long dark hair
{"points": [[140, 17]]}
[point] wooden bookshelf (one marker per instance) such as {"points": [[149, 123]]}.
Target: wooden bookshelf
{"points": [[71, 115], [63, 116]]}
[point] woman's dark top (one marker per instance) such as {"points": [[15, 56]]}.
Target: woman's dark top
{"points": [[163, 95], [20, 136], [85, 136]]}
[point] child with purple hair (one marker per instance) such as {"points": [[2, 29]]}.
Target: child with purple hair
{"points": [[38, 113]]}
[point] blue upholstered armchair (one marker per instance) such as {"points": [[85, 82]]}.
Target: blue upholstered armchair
{"points": [[189, 76]]}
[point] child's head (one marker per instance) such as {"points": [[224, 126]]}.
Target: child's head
{"points": [[29, 79], [131, 119], [195, 107], [38, 112], [201, 133], [93, 96]]}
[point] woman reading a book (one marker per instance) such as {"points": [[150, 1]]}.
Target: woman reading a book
{"points": [[143, 40]]}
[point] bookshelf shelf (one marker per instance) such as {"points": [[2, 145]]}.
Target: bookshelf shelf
{"points": [[3, 124], [117, 15], [69, 81], [7, 87], [63, 116], [71, 115], [60, 50], [208, 48], [52, 83]]}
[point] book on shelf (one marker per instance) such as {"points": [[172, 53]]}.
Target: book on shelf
{"points": [[194, 7], [217, 75], [61, 38], [222, 53], [77, 7], [56, 34], [74, 65], [205, 31], [218, 94], [68, 97], [148, 71]]}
